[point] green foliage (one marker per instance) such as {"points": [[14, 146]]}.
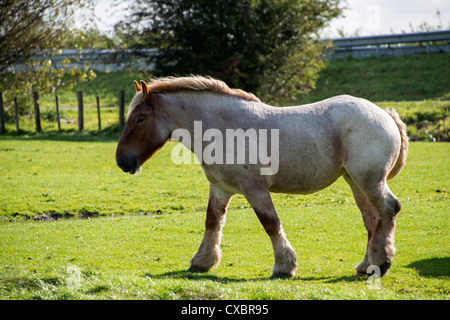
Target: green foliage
{"points": [[38, 75], [269, 47], [425, 120], [90, 38], [29, 29], [30, 26], [153, 223]]}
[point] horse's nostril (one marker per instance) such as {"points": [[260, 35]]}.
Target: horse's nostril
{"points": [[121, 163], [128, 163]]}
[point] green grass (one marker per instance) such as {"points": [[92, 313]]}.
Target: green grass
{"points": [[106, 86], [417, 86], [152, 224], [403, 78]]}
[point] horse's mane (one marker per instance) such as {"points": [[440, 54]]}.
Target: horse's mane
{"points": [[197, 83], [192, 83]]}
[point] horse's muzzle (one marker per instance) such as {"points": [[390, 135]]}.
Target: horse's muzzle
{"points": [[129, 163]]}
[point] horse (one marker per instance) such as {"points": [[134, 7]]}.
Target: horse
{"points": [[315, 143]]}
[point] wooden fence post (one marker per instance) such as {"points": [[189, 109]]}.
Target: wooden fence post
{"points": [[80, 111], [121, 109], [37, 113], [98, 113], [16, 111], [58, 119], [2, 115]]}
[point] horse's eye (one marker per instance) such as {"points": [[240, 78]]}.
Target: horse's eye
{"points": [[140, 121]]}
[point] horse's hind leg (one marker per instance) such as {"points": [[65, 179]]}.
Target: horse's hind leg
{"points": [[380, 200], [209, 253], [381, 246]]}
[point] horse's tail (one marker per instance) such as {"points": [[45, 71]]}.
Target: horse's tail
{"points": [[404, 145]]}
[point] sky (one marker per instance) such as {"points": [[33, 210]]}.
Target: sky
{"points": [[364, 17], [379, 17]]}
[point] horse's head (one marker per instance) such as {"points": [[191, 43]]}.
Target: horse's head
{"points": [[144, 133]]}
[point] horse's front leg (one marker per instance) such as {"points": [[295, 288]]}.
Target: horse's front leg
{"points": [[209, 253], [285, 257]]}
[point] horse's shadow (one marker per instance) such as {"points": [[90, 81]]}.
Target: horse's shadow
{"points": [[184, 274], [434, 267]]}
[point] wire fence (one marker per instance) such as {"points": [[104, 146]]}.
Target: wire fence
{"points": [[80, 113]]}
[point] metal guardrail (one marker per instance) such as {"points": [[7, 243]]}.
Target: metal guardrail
{"points": [[386, 45], [395, 44]]}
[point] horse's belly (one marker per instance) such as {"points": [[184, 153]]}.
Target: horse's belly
{"points": [[301, 186], [304, 180]]}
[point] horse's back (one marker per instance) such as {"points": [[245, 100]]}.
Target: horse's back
{"points": [[319, 141], [347, 117]]}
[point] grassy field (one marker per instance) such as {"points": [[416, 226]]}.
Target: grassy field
{"points": [[403, 78], [138, 233], [417, 86], [152, 223]]}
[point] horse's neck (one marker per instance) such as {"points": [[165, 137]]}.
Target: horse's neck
{"points": [[214, 111]]}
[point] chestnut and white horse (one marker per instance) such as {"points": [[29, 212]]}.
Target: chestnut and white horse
{"points": [[318, 143]]}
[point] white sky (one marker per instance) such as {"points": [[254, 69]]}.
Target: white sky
{"points": [[367, 17], [376, 17]]}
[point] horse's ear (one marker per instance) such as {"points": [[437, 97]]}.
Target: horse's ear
{"points": [[145, 89], [137, 86]]}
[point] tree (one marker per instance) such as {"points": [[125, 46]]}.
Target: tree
{"points": [[89, 38], [269, 47], [29, 28]]}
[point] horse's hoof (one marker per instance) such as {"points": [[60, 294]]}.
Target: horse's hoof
{"points": [[383, 270], [197, 269], [385, 267]]}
